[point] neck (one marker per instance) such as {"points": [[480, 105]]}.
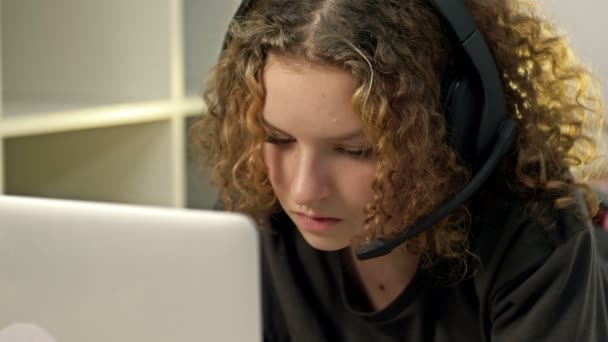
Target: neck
{"points": [[381, 279]]}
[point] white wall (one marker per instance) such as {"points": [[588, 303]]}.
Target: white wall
{"points": [[586, 24]]}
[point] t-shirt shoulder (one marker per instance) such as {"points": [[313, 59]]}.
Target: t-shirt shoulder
{"points": [[539, 282]]}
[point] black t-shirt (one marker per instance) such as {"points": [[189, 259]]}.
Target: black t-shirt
{"points": [[533, 284]]}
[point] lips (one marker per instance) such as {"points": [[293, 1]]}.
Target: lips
{"points": [[315, 217], [314, 223]]}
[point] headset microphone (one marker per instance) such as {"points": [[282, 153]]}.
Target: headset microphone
{"points": [[476, 114], [383, 246]]}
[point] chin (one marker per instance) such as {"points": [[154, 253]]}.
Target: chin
{"points": [[325, 243]]}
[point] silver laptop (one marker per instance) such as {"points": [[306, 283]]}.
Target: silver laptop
{"points": [[89, 272]]}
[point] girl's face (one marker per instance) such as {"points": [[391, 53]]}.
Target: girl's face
{"points": [[319, 162]]}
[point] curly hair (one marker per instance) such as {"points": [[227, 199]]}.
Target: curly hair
{"points": [[397, 52]]}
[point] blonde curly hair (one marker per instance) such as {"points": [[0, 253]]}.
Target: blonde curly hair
{"points": [[397, 51]]}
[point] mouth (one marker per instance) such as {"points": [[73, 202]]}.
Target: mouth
{"points": [[315, 223], [315, 216]]}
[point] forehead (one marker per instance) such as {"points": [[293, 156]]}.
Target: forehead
{"points": [[307, 92]]}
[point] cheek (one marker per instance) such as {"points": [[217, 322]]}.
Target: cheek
{"points": [[351, 181], [356, 184], [274, 167]]}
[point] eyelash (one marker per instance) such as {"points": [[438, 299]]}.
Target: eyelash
{"points": [[358, 154]]}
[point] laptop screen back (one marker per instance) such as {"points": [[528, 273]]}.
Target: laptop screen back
{"points": [[79, 271]]}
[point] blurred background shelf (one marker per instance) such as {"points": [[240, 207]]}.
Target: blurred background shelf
{"points": [[67, 51], [49, 118], [205, 23], [127, 163], [96, 97]]}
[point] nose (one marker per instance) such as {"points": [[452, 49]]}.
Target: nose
{"points": [[311, 182]]}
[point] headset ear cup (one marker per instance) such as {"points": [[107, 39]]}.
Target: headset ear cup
{"points": [[461, 107]]}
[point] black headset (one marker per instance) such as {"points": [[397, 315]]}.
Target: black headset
{"points": [[474, 105]]}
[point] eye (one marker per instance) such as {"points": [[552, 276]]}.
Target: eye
{"points": [[357, 153], [278, 141]]}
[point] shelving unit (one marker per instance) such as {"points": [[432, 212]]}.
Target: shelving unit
{"points": [[125, 163], [96, 96]]}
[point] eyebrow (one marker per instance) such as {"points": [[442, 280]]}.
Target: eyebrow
{"points": [[346, 136]]}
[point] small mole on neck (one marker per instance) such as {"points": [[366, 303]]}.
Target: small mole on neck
{"points": [[381, 287]]}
